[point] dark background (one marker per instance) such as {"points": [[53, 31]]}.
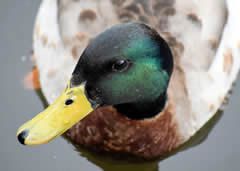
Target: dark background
{"points": [[219, 152]]}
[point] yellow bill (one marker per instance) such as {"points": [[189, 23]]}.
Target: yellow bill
{"points": [[69, 108]]}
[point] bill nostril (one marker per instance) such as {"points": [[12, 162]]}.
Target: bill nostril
{"points": [[22, 136], [68, 102]]}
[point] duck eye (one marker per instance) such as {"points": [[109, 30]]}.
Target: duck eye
{"points": [[121, 65], [68, 102]]}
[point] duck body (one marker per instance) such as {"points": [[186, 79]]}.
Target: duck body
{"points": [[190, 92]]}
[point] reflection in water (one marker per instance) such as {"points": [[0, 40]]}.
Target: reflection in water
{"points": [[108, 162]]}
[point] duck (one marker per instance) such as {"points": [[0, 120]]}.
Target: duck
{"points": [[136, 89]]}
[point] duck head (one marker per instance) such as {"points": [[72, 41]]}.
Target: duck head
{"points": [[128, 66]]}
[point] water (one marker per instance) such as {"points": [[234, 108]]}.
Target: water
{"points": [[219, 152]]}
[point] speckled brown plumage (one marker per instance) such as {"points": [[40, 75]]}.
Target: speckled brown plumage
{"points": [[107, 130], [151, 12]]}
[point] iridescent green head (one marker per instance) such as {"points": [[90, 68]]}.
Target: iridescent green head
{"points": [[127, 66]]}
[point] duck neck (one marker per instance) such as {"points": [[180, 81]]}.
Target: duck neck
{"points": [[143, 110]]}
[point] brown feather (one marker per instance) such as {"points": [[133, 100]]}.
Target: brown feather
{"points": [[107, 130]]}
